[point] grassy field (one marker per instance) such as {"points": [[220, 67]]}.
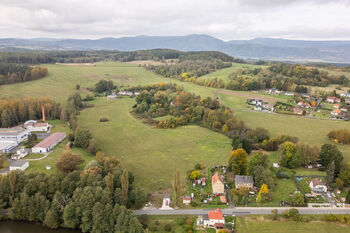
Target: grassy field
{"points": [[312, 131], [225, 73], [62, 80], [152, 154], [246, 225]]}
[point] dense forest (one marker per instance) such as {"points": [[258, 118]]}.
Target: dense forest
{"points": [[15, 73], [92, 200], [40, 57], [188, 69], [17, 110]]}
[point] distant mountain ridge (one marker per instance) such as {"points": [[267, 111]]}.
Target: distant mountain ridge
{"points": [[260, 48]]}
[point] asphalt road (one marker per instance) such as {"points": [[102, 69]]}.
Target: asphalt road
{"points": [[243, 211]]}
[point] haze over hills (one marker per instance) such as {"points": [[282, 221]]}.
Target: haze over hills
{"points": [[260, 48]]}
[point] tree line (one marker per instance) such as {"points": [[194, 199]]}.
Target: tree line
{"points": [[15, 73], [18, 110], [40, 57]]}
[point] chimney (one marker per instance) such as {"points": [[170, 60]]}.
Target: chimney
{"points": [[43, 113]]}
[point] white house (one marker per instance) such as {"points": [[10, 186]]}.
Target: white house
{"points": [[49, 143], [214, 219], [112, 96], [11, 137], [318, 186], [19, 165], [34, 126]]}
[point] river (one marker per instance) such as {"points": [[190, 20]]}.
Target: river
{"points": [[25, 227]]}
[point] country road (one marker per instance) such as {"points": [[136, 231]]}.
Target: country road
{"points": [[243, 211]]}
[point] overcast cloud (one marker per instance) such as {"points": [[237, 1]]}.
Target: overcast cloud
{"points": [[224, 19]]}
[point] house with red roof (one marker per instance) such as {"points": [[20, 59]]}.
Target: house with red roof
{"points": [[214, 219]]}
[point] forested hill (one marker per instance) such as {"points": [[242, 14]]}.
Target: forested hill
{"points": [[261, 48]]}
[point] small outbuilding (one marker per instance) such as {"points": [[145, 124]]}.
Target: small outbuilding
{"points": [[19, 165]]}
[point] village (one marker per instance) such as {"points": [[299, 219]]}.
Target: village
{"points": [[300, 104], [218, 189]]}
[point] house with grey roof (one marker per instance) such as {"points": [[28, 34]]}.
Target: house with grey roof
{"points": [[244, 182]]}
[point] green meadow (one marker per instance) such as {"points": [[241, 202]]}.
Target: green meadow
{"points": [[152, 154], [62, 80], [225, 73]]}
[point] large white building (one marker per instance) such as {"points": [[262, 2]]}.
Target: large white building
{"points": [[11, 137], [34, 126], [49, 143], [19, 165]]}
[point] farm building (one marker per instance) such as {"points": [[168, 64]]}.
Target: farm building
{"points": [[11, 137], [34, 126], [244, 182], [19, 165], [217, 184], [49, 143], [126, 93]]}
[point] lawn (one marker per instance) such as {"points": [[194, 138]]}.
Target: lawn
{"points": [[245, 225], [152, 154], [62, 80]]}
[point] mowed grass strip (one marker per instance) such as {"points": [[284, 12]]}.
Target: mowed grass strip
{"points": [[152, 154]]}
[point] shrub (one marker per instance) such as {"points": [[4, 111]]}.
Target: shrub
{"points": [[104, 119]]}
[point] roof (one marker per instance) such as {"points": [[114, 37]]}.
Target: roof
{"points": [[216, 214], [215, 178], [50, 140], [219, 225], [244, 179], [187, 198], [316, 181], [12, 131], [18, 163]]}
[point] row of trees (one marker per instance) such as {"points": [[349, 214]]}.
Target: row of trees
{"points": [[14, 73], [186, 108], [16, 110]]}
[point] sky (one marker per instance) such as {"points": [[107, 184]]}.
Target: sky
{"points": [[224, 19]]}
